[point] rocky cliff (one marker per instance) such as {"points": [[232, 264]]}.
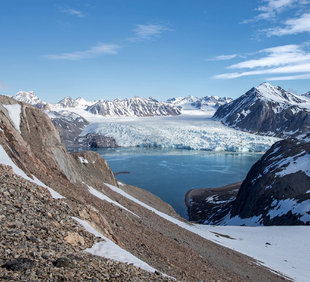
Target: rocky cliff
{"points": [[268, 110], [52, 210], [275, 191]]}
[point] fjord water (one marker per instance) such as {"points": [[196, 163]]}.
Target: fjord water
{"points": [[170, 173]]}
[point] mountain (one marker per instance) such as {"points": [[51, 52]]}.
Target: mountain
{"points": [[70, 125], [136, 106], [276, 191], [68, 102], [267, 110], [31, 98], [307, 94], [68, 218], [207, 103]]}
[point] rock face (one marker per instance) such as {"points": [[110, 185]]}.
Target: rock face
{"points": [[70, 125], [204, 205], [136, 106], [275, 191], [207, 103], [268, 110]]}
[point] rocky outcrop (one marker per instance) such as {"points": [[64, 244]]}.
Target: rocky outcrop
{"points": [[136, 106], [70, 125], [204, 205], [93, 141], [268, 110], [275, 191]]}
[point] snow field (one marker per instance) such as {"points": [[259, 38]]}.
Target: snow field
{"points": [[284, 249]]}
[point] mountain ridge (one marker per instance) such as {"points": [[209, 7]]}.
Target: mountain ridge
{"points": [[267, 110]]}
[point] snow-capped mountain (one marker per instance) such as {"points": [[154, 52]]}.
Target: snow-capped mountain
{"points": [[275, 191], [268, 110], [207, 103], [307, 94], [31, 98], [136, 106], [68, 102]]}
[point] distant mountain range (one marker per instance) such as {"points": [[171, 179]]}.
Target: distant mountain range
{"points": [[265, 109], [207, 103], [268, 110], [117, 108], [135, 106]]}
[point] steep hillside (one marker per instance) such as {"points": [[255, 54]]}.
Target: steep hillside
{"points": [[275, 191], [268, 110], [134, 226]]}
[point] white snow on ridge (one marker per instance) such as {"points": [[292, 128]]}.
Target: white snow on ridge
{"points": [[14, 113], [101, 196], [284, 206], [273, 93], [6, 160], [186, 131], [110, 250], [289, 254], [83, 161], [300, 163]]}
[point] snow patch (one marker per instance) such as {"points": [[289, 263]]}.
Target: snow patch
{"points": [[282, 207], [110, 250], [101, 196], [6, 160], [14, 113], [301, 163], [83, 161]]}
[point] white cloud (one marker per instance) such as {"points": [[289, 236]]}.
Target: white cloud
{"points": [[276, 56], [291, 77], [223, 57], [73, 12], [148, 31], [292, 26], [299, 68], [273, 7], [95, 51], [286, 59]]}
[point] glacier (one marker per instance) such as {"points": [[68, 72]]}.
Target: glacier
{"points": [[194, 130]]}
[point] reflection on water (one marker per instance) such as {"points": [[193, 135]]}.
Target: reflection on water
{"points": [[170, 173]]}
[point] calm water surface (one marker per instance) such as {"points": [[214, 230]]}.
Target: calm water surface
{"points": [[169, 173]]}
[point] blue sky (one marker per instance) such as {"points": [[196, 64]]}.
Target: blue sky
{"points": [[104, 49]]}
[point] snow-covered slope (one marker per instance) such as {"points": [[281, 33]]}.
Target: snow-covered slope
{"points": [[197, 132], [136, 106], [268, 110], [31, 98], [276, 190], [207, 104]]}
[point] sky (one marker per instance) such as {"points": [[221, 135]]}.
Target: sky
{"points": [[107, 49]]}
